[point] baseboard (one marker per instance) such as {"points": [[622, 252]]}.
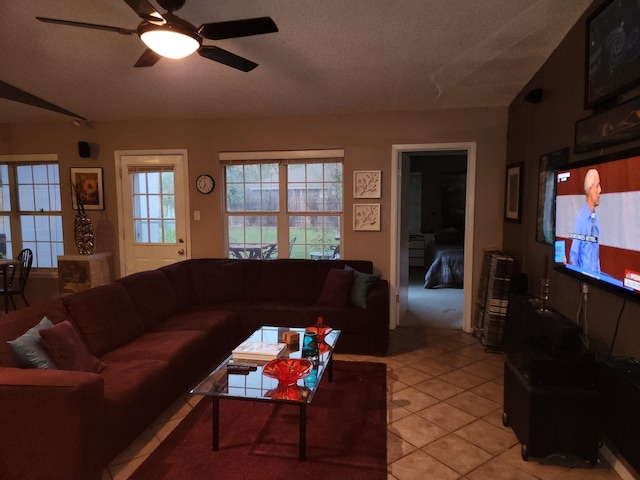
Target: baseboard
{"points": [[625, 471]]}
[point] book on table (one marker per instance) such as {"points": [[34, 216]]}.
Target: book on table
{"points": [[250, 350]]}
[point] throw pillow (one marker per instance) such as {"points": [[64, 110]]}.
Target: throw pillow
{"points": [[337, 288], [28, 348], [67, 349], [361, 284]]}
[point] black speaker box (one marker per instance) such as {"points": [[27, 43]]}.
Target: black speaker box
{"points": [[84, 150]]}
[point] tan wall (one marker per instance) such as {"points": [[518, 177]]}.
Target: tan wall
{"points": [[538, 129], [366, 139]]}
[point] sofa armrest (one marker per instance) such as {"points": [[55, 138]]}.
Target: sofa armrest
{"points": [[52, 424], [378, 313]]}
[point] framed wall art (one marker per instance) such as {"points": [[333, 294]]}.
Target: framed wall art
{"points": [[545, 222], [613, 57], [367, 183], [366, 217], [86, 185], [513, 192], [617, 125]]}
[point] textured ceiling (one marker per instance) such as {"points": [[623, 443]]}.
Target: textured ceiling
{"points": [[329, 56]]}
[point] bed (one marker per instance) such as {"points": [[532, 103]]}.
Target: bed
{"points": [[444, 262]]}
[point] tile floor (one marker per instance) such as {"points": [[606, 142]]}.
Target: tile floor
{"points": [[444, 414]]}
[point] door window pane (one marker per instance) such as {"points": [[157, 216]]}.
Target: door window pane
{"points": [[154, 212]]}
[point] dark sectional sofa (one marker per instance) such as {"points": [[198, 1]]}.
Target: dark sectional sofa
{"points": [[155, 334]]}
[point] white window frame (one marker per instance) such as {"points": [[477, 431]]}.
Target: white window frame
{"points": [[16, 213], [283, 158]]}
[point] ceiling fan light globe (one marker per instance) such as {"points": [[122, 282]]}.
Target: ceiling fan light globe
{"points": [[169, 41]]}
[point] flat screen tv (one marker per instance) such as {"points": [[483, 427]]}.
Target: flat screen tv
{"points": [[600, 244]]}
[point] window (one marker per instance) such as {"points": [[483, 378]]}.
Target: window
{"points": [[30, 211], [283, 204], [154, 204]]}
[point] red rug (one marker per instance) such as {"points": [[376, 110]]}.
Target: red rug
{"points": [[346, 436]]}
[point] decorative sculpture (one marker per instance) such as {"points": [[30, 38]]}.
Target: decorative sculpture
{"points": [[83, 227]]}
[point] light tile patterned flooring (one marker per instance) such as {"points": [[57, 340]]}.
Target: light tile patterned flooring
{"points": [[444, 415]]}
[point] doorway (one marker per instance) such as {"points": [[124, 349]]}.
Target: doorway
{"points": [[152, 209], [399, 271]]}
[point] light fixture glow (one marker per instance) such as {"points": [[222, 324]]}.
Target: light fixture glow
{"points": [[170, 41]]}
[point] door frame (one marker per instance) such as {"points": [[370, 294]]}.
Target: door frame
{"points": [[118, 154], [397, 152]]}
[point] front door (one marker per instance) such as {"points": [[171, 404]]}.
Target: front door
{"points": [[152, 210]]}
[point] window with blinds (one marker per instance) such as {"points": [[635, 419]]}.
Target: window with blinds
{"points": [[31, 212]]}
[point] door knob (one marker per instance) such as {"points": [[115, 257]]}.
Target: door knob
{"points": [[181, 251], [180, 240]]}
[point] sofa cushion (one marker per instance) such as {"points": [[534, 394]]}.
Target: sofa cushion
{"points": [[135, 393], [105, 316], [257, 314], [152, 295], [287, 280], [28, 348], [362, 282], [217, 281], [68, 350], [180, 278], [337, 288], [187, 353]]}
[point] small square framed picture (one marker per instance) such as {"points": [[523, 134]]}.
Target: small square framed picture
{"points": [[367, 183], [366, 217]]}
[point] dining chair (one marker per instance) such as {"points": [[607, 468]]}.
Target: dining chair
{"points": [[18, 276], [270, 252]]}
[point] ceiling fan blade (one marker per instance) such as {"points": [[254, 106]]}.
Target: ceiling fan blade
{"points": [[148, 59], [17, 95], [123, 31], [146, 11], [230, 59], [238, 28]]}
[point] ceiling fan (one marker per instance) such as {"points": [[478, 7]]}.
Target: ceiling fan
{"points": [[16, 94], [167, 35]]}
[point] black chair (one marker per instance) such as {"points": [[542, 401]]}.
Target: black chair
{"points": [[17, 277], [270, 252]]}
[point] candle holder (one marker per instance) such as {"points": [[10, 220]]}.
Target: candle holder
{"points": [[310, 345]]}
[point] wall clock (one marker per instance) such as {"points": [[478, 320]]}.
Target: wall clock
{"points": [[205, 183]]}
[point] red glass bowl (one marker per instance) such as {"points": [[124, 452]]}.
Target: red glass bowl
{"points": [[287, 370]]}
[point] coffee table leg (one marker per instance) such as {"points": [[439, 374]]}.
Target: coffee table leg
{"points": [[330, 369], [303, 432], [216, 423]]}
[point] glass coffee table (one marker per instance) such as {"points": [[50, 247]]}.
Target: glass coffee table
{"points": [[232, 380]]}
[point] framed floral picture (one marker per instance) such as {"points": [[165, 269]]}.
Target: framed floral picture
{"points": [[366, 183], [366, 217], [87, 188]]}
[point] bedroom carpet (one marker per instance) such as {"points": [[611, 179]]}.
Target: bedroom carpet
{"points": [[346, 435], [439, 307]]}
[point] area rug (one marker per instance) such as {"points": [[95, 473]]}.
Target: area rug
{"points": [[346, 435]]}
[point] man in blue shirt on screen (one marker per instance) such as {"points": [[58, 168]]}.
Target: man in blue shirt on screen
{"points": [[585, 249]]}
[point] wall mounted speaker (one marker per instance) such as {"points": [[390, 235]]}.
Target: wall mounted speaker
{"points": [[534, 96], [84, 150]]}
